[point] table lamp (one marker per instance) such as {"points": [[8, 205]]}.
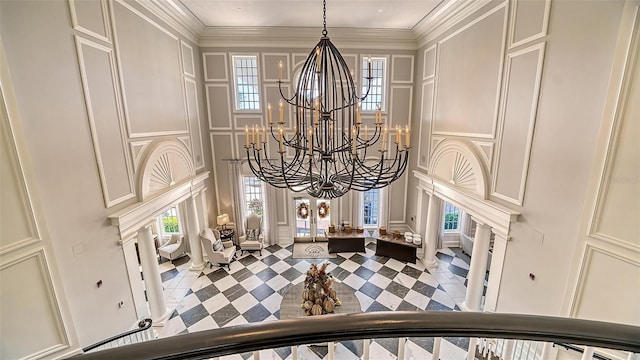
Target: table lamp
{"points": [[223, 220]]}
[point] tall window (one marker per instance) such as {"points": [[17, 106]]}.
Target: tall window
{"points": [[253, 195], [371, 207], [169, 221], [375, 98], [245, 70], [451, 215]]}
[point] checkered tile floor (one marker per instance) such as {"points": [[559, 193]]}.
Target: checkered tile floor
{"points": [[252, 289]]}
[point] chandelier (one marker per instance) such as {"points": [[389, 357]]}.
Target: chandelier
{"points": [[330, 150]]}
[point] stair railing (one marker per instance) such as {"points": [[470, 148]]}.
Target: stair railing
{"points": [[391, 324], [142, 333]]}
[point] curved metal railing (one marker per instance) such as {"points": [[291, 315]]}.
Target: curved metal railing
{"points": [[388, 324], [129, 337]]}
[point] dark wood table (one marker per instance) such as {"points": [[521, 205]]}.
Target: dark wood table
{"points": [[398, 248], [291, 304], [342, 242]]}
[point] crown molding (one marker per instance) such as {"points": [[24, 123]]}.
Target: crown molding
{"points": [[181, 21], [450, 13], [304, 37]]}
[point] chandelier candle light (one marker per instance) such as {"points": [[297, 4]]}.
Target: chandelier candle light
{"points": [[330, 150]]}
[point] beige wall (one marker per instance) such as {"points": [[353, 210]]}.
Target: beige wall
{"points": [[537, 140], [90, 97]]}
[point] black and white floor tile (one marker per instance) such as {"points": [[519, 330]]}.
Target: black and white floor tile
{"points": [[251, 291]]}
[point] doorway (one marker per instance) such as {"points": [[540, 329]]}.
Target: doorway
{"points": [[312, 218]]}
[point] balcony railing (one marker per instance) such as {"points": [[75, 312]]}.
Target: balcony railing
{"points": [[396, 324]]}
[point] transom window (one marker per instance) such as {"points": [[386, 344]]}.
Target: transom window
{"points": [[253, 195], [245, 70], [371, 207], [375, 99], [451, 217], [169, 220]]}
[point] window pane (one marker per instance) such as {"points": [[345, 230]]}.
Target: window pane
{"points": [[253, 195], [371, 207], [247, 87], [170, 221], [375, 98], [451, 214]]}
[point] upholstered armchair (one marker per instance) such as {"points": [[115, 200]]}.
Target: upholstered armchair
{"points": [[253, 239], [218, 252], [174, 248]]}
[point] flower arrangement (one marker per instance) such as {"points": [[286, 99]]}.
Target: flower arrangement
{"points": [[318, 296]]}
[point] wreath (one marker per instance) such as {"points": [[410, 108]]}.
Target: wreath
{"points": [[303, 211], [323, 210]]}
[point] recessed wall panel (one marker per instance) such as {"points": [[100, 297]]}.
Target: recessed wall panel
{"points": [[219, 106], [402, 68], [26, 293], [152, 77], [468, 72], [103, 111], [188, 66], [530, 20], [425, 125], [397, 208], [271, 67], [401, 96], [193, 110], [90, 17], [222, 148], [429, 66], [521, 99], [215, 66]]}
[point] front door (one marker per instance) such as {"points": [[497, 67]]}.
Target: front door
{"points": [[313, 217]]}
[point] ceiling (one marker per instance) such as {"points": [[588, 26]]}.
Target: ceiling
{"points": [[371, 14]]}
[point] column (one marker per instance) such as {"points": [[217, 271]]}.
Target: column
{"points": [[478, 268], [549, 352], [193, 233], [204, 208], [433, 229], [495, 271], [419, 221], [157, 305]]}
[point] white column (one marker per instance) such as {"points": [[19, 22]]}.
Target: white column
{"points": [[436, 348], [158, 307], [508, 349], [587, 354], [471, 351], [193, 232], [204, 208], [478, 268], [495, 272], [431, 237], [419, 220]]}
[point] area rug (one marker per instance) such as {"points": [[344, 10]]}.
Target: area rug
{"points": [[313, 250]]}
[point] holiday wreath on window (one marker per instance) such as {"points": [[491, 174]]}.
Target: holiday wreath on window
{"points": [[303, 211], [323, 210]]}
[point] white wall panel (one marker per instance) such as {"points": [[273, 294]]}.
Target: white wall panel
{"points": [[188, 66], [218, 106], [270, 67], [215, 66], [401, 98], [426, 109], [193, 112], [105, 119], [530, 20], [402, 69], [151, 89], [469, 70], [90, 18], [523, 72], [222, 147], [429, 65], [27, 293]]}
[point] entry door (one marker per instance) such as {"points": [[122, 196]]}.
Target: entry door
{"points": [[313, 217]]}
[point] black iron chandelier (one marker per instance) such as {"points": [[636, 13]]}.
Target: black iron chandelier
{"points": [[330, 150]]}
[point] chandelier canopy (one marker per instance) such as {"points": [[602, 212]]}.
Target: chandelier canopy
{"points": [[330, 150]]}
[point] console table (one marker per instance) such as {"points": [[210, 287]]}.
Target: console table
{"points": [[342, 242], [398, 248]]}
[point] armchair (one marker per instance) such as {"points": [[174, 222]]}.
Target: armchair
{"points": [[218, 252], [174, 248], [253, 240]]}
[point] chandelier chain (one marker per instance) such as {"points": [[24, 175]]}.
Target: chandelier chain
{"points": [[324, 18]]}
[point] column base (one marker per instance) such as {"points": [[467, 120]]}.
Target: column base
{"points": [[430, 264], [197, 267], [162, 320], [465, 307]]}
